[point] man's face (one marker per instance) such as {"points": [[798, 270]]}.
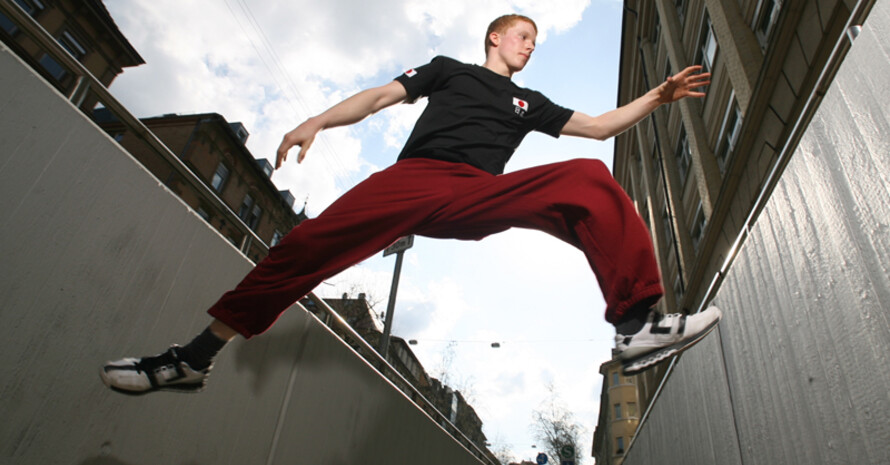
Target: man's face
{"points": [[516, 45]]}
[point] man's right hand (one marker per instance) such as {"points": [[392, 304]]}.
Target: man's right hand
{"points": [[349, 111], [303, 135]]}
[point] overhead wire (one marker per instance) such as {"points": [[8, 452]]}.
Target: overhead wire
{"points": [[331, 162], [277, 61]]}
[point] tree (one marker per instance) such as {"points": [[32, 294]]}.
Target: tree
{"points": [[555, 427], [503, 454]]}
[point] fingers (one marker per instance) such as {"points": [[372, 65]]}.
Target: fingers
{"points": [[289, 143], [281, 157], [689, 70], [302, 153], [286, 144]]}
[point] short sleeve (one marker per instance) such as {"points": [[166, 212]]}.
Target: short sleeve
{"points": [[551, 118], [422, 81]]}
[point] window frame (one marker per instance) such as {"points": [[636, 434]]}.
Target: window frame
{"points": [[727, 141], [223, 178], [680, 5], [706, 36], [771, 15], [684, 156], [699, 224], [668, 226]]}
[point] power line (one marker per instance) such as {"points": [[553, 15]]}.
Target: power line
{"points": [[332, 162]]}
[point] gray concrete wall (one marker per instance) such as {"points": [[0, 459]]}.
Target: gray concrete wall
{"points": [[97, 261], [798, 372]]}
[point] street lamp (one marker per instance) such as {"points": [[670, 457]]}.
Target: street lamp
{"points": [[398, 248]]}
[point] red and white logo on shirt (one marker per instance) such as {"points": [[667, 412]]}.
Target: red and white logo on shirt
{"points": [[520, 106], [411, 73]]}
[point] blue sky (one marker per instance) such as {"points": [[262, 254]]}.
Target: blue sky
{"points": [[270, 65]]}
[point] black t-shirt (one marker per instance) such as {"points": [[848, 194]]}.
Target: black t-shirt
{"points": [[474, 115]]}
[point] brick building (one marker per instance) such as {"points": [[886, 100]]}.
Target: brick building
{"points": [[213, 149], [85, 29]]}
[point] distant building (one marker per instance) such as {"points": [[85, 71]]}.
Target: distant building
{"points": [[453, 405], [360, 316], [214, 150], [695, 168], [85, 29], [620, 411]]}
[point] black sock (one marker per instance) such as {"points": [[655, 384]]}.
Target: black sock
{"points": [[632, 321], [200, 352]]}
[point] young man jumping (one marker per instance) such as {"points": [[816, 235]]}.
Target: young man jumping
{"points": [[448, 182]]}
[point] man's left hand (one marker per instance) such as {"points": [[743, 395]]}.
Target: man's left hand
{"points": [[683, 84]]}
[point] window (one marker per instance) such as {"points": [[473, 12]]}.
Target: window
{"points": [[765, 20], [684, 157], [656, 32], [678, 288], [253, 220], [632, 409], [69, 43], [668, 227], [246, 205], [250, 212], [707, 50], [203, 214], [615, 378], [619, 445], [617, 411], [656, 164], [52, 67], [698, 227], [681, 10], [644, 212], [219, 178], [32, 7], [72, 45], [729, 134], [276, 238], [7, 24]]}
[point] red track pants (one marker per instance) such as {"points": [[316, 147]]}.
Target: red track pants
{"points": [[577, 201]]}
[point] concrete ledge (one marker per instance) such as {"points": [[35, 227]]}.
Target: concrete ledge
{"points": [[101, 261]]}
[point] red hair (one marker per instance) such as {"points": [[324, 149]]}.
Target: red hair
{"points": [[501, 24]]}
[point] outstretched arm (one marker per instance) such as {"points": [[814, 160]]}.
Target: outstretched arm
{"points": [[349, 111], [615, 122]]}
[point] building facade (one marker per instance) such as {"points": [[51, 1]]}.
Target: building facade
{"points": [[213, 149], [695, 168], [85, 29], [620, 411], [358, 313]]}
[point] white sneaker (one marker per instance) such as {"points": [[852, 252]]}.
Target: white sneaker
{"points": [[165, 372], [663, 336]]}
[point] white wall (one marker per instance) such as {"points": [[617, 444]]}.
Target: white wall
{"points": [[798, 371], [97, 261]]}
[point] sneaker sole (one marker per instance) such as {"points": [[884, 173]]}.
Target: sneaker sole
{"points": [[646, 361], [181, 388]]}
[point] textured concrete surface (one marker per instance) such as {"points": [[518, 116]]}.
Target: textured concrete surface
{"points": [[100, 261], [797, 373]]}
